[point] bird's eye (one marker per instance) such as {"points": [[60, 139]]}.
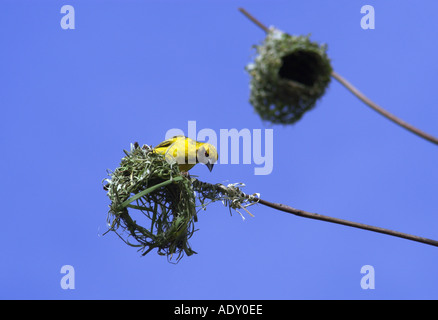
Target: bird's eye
{"points": [[206, 153]]}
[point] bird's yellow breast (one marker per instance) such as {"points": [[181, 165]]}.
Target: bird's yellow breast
{"points": [[184, 151]]}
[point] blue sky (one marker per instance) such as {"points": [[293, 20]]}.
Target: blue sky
{"points": [[72, 100]]}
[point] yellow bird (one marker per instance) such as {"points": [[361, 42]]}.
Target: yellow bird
{"points": [[187, 152]]}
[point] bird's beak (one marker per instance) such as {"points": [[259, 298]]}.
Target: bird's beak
{"points": [[209, 165]]}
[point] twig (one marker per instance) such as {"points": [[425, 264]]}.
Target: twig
{"points": [[382, 111], [316, 216], [257, 22], [359, 94]]}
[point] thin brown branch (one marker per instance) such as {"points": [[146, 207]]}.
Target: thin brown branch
{"points": [[316, 216], [257, 22], [359, 94], [382, 111]]}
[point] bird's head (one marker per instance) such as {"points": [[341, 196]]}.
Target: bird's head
{"points": [[207, 155]]}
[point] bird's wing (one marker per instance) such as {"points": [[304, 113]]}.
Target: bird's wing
{"points": [[168, 142]]}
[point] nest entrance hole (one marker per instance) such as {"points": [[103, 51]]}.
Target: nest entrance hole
{"points": [[300, 66]]}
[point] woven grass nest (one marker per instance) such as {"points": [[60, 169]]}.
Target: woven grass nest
{"points": [[288, 75], [155, 206]]}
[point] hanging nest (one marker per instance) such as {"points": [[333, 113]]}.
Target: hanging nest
{"points": [[155, 205], [288, 76]]}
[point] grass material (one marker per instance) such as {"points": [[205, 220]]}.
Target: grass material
{"points": [[155, 206]]}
